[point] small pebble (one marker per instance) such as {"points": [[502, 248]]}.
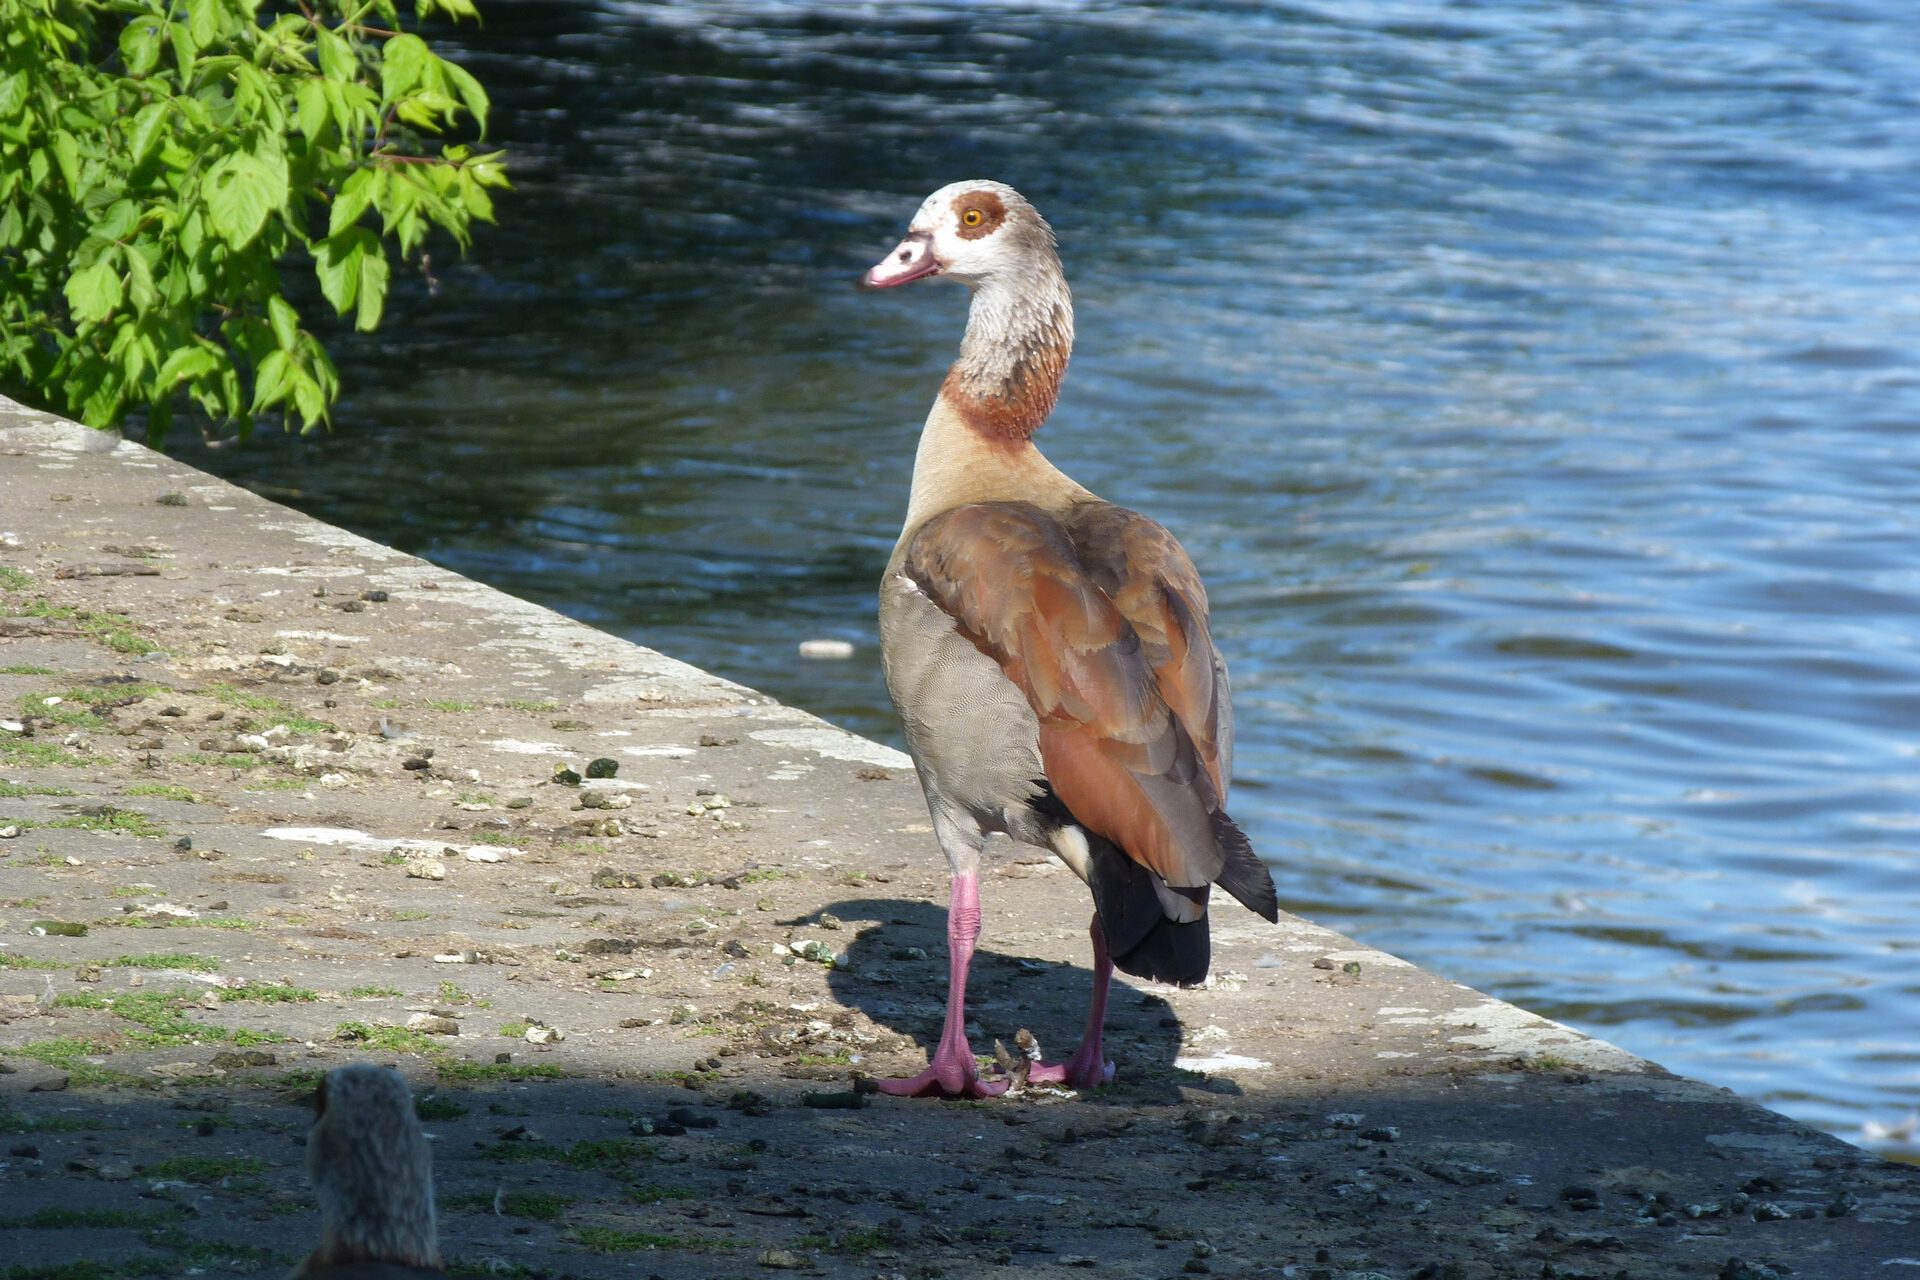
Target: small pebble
{"points": [[602, 768], [784, 1260], [692, 1119], [422, 869], [851, 1100], [433, 1024], [1741, 1269]]}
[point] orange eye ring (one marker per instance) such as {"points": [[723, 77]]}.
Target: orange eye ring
{"points": [[972, 218]]}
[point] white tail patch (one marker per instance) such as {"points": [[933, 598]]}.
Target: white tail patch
{"points": [[1071, 844]]}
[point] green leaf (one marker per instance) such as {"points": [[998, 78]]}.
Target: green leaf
{"points": [[474, 197], [470, 93], [159, 419], [140, 43], [117, 222], [240, 191], [309, 399], [337, 61], [402, 66], [134, 350], [66, 153], [428, 109], [270, 381], [13, 94], [314, 115], [256, 97], [374, 274], [185, 364], [398, 201], [206, 20], [488, 170], [355, 194], [140, 287], [94, 292], [336, 264], [217, 67], [185, 49], [144, 134], [285, 321], [106, 400]]}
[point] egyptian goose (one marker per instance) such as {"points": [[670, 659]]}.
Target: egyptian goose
{"points": [[1047, 650], [373, 1175]]}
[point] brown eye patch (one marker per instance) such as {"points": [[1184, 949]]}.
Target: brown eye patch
{"points": [[980, 214]]}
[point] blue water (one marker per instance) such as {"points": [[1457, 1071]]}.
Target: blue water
{"points": [[1535, 384]]}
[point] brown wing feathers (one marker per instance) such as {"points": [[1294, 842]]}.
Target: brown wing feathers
{"points": [[1099, 618]]}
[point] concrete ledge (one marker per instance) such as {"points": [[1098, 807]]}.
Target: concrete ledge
{"points": [[305, 782]]}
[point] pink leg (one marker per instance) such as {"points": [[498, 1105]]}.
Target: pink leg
{"points": [[1088, 1068], [952, 1074]]}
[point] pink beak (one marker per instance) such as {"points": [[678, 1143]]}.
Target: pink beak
{"points": [[912, 259]]}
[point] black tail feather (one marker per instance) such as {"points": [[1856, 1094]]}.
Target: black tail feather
{"points": [[1142, 941], [1171, 952], [1245, 876]]}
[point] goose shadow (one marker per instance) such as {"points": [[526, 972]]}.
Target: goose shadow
{"points": [[896, 974]]}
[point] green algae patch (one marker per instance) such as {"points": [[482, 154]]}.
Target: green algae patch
{"points": [[183, 960]]}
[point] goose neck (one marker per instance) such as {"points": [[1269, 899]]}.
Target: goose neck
{"points": [[1014, 355]]}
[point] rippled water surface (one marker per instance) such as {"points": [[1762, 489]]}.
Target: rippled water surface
{"points": [[1535, 383]]}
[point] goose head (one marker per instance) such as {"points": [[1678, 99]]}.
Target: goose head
{"points": [[975, 232]]}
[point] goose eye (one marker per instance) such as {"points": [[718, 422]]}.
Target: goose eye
{"points": [[972, 218]]}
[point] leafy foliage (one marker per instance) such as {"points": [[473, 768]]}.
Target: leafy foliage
{"points": [[161, 160]]}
